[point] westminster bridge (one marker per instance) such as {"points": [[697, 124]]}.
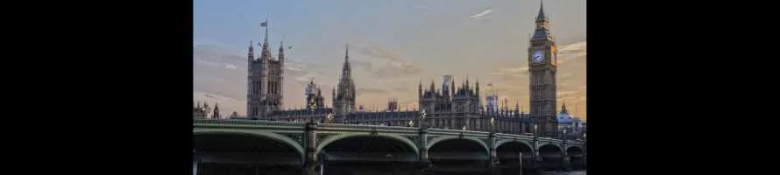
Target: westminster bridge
{"points": [[272, 147]]}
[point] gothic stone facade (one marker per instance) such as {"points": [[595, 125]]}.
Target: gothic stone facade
{"points": [[264, 89], [448, 107]]}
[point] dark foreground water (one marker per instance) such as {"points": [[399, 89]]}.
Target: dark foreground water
{"points": [[563, 173]]}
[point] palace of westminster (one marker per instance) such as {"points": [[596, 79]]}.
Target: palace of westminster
{"points": [[450, 107]]}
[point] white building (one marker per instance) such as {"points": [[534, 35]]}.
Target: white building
{"points": [[574, 126]]}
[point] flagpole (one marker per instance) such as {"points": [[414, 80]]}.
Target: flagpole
{"points": [[266, 30]]}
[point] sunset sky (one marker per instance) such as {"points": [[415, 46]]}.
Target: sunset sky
{"points": [[394, 44]]}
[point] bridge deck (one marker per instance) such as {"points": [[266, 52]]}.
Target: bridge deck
{"points": [[458, 156], [371, 157], [250, 158]]}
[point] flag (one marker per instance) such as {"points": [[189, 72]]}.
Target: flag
{"points": [[264, 24]]}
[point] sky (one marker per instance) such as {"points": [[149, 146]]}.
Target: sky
{"points": [[394, 45]]}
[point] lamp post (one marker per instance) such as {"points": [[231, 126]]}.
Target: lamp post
{"points": [[422, 118], [564, 155], [329, 118], [492, 124], [536, 143], [312, 107]]}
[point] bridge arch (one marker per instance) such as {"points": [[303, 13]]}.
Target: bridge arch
{"points": [[440, 139], [264, 134], [331, 139], [574, 148], [501, 142], [551, 144]]}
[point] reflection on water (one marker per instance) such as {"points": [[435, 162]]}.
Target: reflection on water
{"points": [[563, 173]]}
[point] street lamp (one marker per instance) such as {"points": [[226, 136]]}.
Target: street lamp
{"points": [[422, 118], [536, 143], [329, 118], [536, 129], [492, 124]]}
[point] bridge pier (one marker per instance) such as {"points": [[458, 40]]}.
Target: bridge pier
{"points": [[566, 163], [520, 163], [422, 144], [195, 163], [310, 162], [493, 160]]}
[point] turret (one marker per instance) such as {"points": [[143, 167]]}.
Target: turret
{"points": [[281, 53], [251, 55], [477, 89], [452, 87], [467, 83], [419, 89], [433, 88], [216, 112], [563, 109]]}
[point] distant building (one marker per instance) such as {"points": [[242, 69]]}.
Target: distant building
{"points": [[314, 99], [216, 114], [199, 112], [264, 80], [392, 105], [450, 107], [574, 126]]}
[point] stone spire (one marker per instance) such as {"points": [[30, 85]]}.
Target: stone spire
{"points": [[216, 112], [563, 109], [541, 16], [346, 71], [433, 87], [476, 89], [419, 89], [281, 52], [251, 50]]}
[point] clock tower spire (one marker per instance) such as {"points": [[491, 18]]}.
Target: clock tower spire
{"points": [[542, 61]]}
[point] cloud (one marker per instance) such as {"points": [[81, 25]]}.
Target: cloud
{"points": [[421, 7], [302, 73], [226, 104], [572, 51], [371, 91], [512, 72], [565, 54], [386, 63], [217, 71], [401, 89], [481, 15], [361, 64]]}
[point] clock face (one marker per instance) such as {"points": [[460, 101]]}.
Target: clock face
{"points": [[538, 56]]}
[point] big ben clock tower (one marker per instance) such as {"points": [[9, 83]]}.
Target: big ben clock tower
{"points": [[542, 67]]}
